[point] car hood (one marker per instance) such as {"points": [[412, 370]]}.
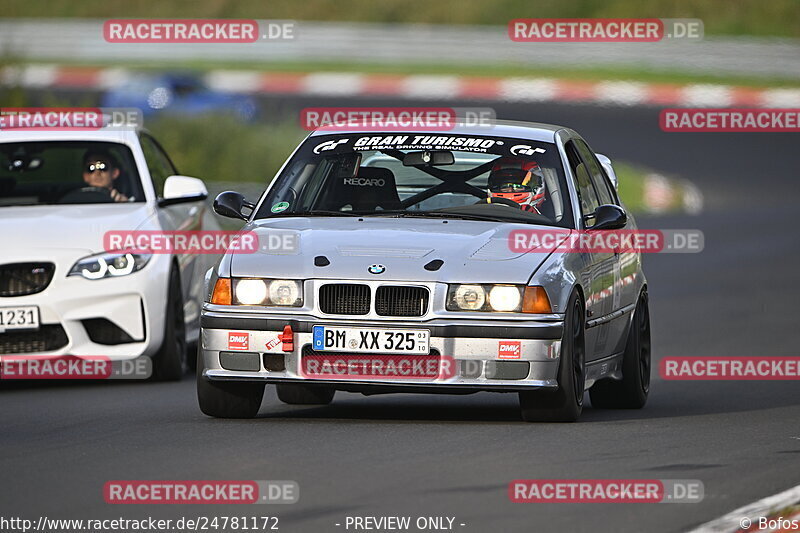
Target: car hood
{"points": [[470, 250], [67, 227]]}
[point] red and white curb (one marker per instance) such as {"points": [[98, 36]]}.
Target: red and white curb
{"points": [[431, 87], [746, 518]]}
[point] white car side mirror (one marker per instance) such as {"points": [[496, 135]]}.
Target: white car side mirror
{"points": [[179, 189], [606, 163]]}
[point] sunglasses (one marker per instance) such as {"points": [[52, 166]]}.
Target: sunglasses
{"points": [[98, 165]]}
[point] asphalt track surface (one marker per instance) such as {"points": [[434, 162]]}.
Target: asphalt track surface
{"points": [[429, 455]]}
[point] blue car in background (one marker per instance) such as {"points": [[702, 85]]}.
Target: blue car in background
{"points": [[178, 94]]}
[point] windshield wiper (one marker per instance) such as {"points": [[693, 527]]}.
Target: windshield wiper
{"points": [[316, 213], [432, 214]]}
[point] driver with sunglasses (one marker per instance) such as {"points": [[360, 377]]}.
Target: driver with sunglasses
{"points": [[101, 170], [519, 180]]}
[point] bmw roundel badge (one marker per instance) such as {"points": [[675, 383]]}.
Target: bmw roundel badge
{"points": [[376, 269]]}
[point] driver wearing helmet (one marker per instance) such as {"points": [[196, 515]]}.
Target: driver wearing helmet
{"points": [[517, 179]]}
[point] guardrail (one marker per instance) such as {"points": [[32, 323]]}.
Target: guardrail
{"points": [[82, 40]]}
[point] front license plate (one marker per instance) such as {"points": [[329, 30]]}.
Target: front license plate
{"points": [[22, 317], [371, 340]]}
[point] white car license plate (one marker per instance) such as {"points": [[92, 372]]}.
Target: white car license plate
{"points": [[371, 340], [22, 317]]}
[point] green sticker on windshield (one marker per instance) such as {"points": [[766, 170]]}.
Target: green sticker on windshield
{"points": [[280, 206]]}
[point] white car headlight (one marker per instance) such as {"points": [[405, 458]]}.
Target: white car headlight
{"points": [[251, 291], [469, 297], [284, 292], [487, 298], [109, 265], [277, 292], [505, 298]]}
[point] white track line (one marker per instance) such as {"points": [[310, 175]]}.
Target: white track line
{"points": [[528, 89], [243, 81], [706, 95], [732, 521], [431, 87], [333, 83]]}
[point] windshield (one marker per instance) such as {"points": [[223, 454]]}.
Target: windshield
{"points": [[426, 175], [67, 172]]}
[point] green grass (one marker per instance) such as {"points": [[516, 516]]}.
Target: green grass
{"points": [[631, 185], [219, 149], [721, 17]]}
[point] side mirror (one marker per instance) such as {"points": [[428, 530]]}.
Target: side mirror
{"points": [[230, 204], [181, 189], [609, 217], [606, 163]]}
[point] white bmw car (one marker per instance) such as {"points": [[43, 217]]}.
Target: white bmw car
{"points": [[61, 291], [402, 271]]}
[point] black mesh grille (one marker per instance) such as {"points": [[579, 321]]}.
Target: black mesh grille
{"points": [[49, 337], [103, 331], [344, 299], [20, 279], [401, 301]]}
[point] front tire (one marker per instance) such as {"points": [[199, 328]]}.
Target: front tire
{"points": [[227, 399], [296, 394], [170, 364], [631, 392], [566, 403]]}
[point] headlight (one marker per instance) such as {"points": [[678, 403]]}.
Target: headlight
{"points": [[469, 297], [498, 298], [109, 265], [505, 298], [251, 291], [277, 292], [284, 292]]}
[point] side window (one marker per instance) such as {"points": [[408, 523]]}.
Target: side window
{"points": [[586, 192], [599, 178], [158, 163]]}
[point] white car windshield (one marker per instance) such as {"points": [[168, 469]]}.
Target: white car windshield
{"points": [[67, 172]]}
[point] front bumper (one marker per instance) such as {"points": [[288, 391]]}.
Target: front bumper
{"points": [[473, 345], [85, 317]]}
